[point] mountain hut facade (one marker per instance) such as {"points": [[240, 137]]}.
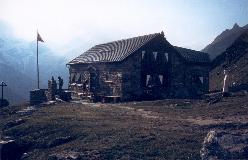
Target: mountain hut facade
{"points": [[139, 68]]}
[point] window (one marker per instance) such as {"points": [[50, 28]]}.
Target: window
{"points": [[166, 56], [143, 54], [72, 78], [161, 79], [155, 55], [148, 77], [78, 78], [201, 79], [106, 77], [197, 80]]}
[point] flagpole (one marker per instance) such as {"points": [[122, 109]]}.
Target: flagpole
{"points": [[38, 77]]}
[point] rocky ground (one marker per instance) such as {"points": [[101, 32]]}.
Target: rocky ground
{"points": [[164, 129]]}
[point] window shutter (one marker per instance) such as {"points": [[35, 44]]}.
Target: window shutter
{"points": [[166, 56], [72, 77], [155, 55], [147, 79], [201, 79], [143, 54], [161, 78]]}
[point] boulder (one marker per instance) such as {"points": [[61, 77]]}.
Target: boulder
{"points": [[75, 155], [27, 111], [59, 141], [14, 123], [4, 103], [219, 145], [213, 97], [10, 150], [66, 156]]}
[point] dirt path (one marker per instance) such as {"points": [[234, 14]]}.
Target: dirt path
{"points": [[140, 112]]}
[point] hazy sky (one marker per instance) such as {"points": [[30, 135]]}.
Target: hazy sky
{"points": [[79, 24]]}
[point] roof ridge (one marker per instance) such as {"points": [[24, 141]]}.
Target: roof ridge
{"points": [[127, 39], [189, 49], [193, 55], [114, 51], [142, 43]]}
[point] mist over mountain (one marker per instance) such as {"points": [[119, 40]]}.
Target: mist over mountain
{"points": [[224, 40], [18, 65]]}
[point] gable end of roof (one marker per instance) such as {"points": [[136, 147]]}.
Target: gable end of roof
{"points": [[113, 51]]}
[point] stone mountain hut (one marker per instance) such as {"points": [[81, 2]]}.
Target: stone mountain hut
{"points": [[139, 68]]}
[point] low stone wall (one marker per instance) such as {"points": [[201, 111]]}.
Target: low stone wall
{"points": [[43, 95], [238, 87], [37, 96], [52, 89], [65, 95]]}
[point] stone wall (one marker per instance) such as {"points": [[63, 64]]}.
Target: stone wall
{"points": [[170, 75], [111, 83], [52, 90], [190, 80], [109, 80], [37, 96], [156, 68], [43, 95]]}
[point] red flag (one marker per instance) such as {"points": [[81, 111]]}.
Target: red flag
{"points": [[39, 37]]}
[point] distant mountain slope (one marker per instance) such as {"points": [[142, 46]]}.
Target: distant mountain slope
{"points": [[18, 65], [224, 40], [18, 84], [235, 58]]}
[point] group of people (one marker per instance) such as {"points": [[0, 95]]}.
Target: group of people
{"points": [[61, 82]]}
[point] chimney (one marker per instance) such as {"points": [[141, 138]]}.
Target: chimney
{"points": [[162, 33]]}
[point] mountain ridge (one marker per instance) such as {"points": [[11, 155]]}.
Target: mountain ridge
{"points": [[224, 40]]}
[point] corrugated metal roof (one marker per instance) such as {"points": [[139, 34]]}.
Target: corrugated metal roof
{"points": [[192, 55], [113, 51]]}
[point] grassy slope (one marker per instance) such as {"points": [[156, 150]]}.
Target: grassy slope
{"points": [[169, 129]]}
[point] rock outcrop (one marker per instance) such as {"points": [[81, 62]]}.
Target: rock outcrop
{"points": [[220, 145], [9, 150], [73, 155]]}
